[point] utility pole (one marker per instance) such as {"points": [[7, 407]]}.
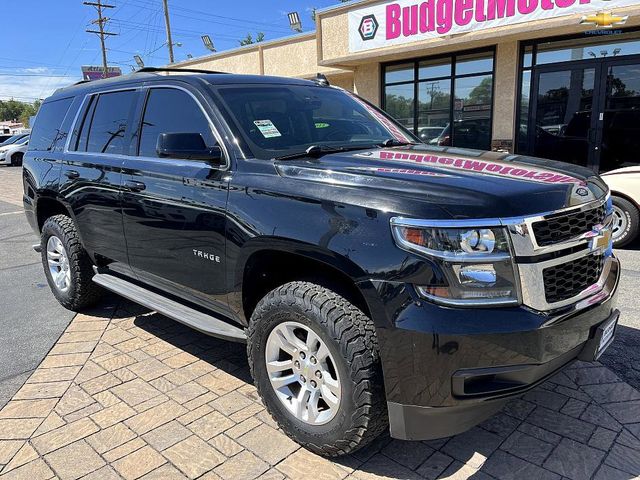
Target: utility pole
{"points": [[101, 21], [168, 25]]}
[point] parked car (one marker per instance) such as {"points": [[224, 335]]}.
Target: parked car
{"points": [[472, 133], [427, 134], [379, 283], [13, 139], [625, 191], [13, 153], [5, 136]]}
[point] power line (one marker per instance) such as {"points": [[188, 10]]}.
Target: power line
{"points": [[101, 21], [9, 74], [267, 26]]}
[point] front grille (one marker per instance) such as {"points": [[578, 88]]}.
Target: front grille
{"points": [[567, 280], [567, 226]]}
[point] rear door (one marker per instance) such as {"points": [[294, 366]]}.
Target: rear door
{"points": [[92, 173], [175, 239]]}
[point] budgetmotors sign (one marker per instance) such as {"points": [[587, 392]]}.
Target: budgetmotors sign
{"points": [[96, 73], [404, 21]]}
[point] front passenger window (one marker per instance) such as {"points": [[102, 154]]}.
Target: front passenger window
{"points": [[169, 110]]}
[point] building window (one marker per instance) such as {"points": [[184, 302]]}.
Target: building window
{"points": [[446, 101]]}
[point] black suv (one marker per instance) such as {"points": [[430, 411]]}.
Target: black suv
{"points": [[378, 282]]}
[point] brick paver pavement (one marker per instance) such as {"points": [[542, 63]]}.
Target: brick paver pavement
{"points": [[130, 394]]}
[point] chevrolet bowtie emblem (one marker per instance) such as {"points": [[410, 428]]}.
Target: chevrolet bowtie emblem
{"points": [[601, 239], [604, 20]]}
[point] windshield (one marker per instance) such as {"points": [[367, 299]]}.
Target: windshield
{"points": [[279, 120], [12, 140]]}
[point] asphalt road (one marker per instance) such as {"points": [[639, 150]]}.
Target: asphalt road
{"points": [[31, 320]]}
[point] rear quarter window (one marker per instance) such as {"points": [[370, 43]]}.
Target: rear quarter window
{"points": [[47, 131]]}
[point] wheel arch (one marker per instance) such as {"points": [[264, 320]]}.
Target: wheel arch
{"points": [[628, 198], [47, 207], [268, 263]]}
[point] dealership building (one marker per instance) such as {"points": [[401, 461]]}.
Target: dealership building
{"points": [[553, 78]]}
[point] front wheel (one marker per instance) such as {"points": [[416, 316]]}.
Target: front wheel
{"points": [[314, 359], [625, 222], [67, 265]]}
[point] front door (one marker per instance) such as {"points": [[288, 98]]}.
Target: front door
{"points": [[175, 240], [587, 112], [620, 115]]}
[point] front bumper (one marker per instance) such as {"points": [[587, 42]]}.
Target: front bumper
{"points": [[448, 369]]}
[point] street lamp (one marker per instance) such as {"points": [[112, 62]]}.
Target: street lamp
{"points": [[139, 61], [294, 21], [206, 39]]}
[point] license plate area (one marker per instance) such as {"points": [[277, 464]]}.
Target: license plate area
{"points": [[601, 339], [606, 332]]}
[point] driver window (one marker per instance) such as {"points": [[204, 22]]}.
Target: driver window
{"points": [[169, 110]]}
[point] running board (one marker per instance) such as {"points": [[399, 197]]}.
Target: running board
{"points": [[172, 309]]}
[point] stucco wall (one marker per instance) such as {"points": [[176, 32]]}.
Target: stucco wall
{"points": [[238, 62], [366, 81], [335, 34], [505, 90], [293, 59]]}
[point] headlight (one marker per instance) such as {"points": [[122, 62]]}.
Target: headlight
{"points": [[476, 263]]}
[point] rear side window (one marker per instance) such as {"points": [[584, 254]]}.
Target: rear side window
{"points": [[105, 122], [170, 110], [47, 129]]}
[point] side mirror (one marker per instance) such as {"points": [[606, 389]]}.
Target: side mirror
{"points": [[188, 146]]}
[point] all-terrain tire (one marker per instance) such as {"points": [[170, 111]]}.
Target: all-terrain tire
{"points": [[632, 226], [351, 338], [82, 291]]}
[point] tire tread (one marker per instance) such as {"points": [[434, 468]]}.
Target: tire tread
{"points": [[355, 334]]}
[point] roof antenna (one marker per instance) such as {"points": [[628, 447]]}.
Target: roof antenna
{"points": [[321, 79]]}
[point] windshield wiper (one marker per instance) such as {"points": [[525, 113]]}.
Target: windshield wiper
{"points": [[316, 151], [393, 142]]}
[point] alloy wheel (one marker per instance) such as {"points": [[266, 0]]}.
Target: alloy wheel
{"points": [[303, 373], [58, 261]]}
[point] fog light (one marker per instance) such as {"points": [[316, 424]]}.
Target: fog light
{"points": [[481, 275]]}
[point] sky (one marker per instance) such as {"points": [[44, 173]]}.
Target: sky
{"points": [[43, 43]]}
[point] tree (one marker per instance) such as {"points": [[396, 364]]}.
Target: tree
{"points": [[481, 95], [14, 110], [248, 40]]}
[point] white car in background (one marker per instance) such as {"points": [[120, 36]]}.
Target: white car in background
{"points": [[625, 192], [12, 154]]}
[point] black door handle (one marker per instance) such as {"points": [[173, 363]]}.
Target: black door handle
{"points": [[71, 174], [134, 186]]}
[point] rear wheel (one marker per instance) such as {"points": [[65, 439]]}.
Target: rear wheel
{"points": [[314, 359], [16, 159], [625, 222], [67, 266]]}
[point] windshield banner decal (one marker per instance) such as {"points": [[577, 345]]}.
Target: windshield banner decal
{"points": [[405, 21]]}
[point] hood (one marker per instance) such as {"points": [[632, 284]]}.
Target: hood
{"points": [[461, 183]]}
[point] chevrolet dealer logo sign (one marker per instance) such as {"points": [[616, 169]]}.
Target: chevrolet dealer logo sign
{"points": [[604, 20]]}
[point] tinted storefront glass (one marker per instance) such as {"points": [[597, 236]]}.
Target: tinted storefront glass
{"points": [[446, 101]]}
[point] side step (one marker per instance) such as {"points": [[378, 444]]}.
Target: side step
{"points": [[172, 309]]}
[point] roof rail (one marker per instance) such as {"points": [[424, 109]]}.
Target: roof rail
{"points": [[177, 70]]}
